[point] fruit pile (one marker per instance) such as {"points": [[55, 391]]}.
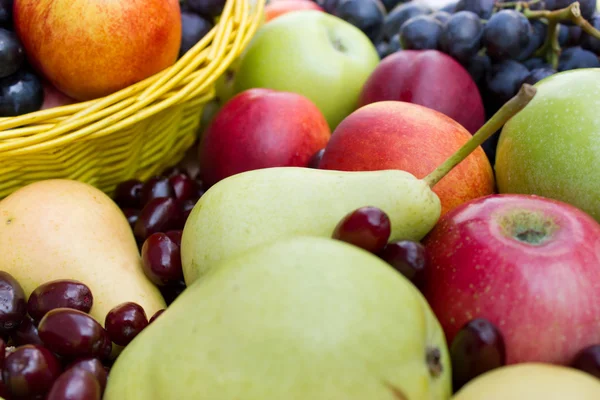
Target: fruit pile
{"points": [[31, 78], [339, 217], [51, 348]]}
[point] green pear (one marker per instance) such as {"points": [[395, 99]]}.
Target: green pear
{"points": [[64, 229], [300, 318], [260, 206], [531, 381]]}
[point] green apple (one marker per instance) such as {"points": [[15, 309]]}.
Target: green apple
{"points": [[552, 147], [311, 53], [301, 318]]}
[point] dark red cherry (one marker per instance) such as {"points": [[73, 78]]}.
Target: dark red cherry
{"points": [[75, 384], [156, 315], [12, 303], [65, 293], [30, 371], [315, 160], [408, 258], [128, 194], [159, 215], [155, 188], [94, 366], [368, 228], [161, 259], [124, 322]]}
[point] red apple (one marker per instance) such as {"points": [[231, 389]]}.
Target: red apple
{"points": [[280, 7], [54, 97], [89, 48], [429, 78], [261, 128], [413, 138], [528, 264]]}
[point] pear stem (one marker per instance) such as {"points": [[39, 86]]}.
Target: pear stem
{"points": [[506, 112]]}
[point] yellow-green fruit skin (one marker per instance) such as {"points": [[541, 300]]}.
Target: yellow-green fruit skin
{"points": [[300, 318], [551, 148], [64, 229], [260, 206], [532, 381]]}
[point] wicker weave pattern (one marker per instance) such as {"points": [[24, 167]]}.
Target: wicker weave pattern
{"points": [[134, 133]]}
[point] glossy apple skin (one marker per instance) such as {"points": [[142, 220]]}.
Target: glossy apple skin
{"points": [[261, 128], [88, 49], [280, 7], [551, 148], [311, 53], [545, 299], [429, 78], [413, 138]]}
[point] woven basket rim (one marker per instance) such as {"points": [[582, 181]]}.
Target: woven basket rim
{"points": [[191, 75]]}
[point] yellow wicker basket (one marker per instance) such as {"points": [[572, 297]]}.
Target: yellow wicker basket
{"points": [[134, 133]]}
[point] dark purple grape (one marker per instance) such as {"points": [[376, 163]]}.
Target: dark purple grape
{"points": [[504, 80], [536, 75], [478, 67], [483, 8], [12, 54], [400, 14], [368, 228], [155, 188], [156, 315], [175, 236], [577, 58], [206, 8], [159, 215], [383, 50], [132, 216], [66, 293], [20, 93], [171, 291], [30, 371], [315, 160], [535, 63], [75, 384], [6, 7], [12, 303], [124, 322], [407, 257], [161, 259], [589, 42], [93, 366], [477, 348], [587, 7], [537, 36], [128, 194], [366, 15], [442, 16], [185, 188], [588, 360], [450, 8], [506, 34], [394, 44], [26, 333], [193, 28], [72, 333], [421, 33], [461, 36]]}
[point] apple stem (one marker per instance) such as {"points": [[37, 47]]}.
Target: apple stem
{"points": [[506, 112]]}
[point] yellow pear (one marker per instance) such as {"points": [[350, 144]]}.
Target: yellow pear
{"points": [[532, 381], [63, 229], [260, 206], [303, 318]]}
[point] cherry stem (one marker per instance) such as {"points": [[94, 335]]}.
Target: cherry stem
{"points": [[551, 48], [496, 122]]}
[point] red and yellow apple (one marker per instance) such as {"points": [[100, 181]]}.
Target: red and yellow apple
{"points": [[530, 265], [261, 128], [413, 138], [89, 49], [280, 7], [429, 78]]}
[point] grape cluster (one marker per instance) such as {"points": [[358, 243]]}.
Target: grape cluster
{"points": [[157, 210], [51, 348], [21, 90], [501, 43], [197, 19]]}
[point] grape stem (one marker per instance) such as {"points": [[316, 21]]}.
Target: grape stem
{"points": [[551, 48], [497, 121]]}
